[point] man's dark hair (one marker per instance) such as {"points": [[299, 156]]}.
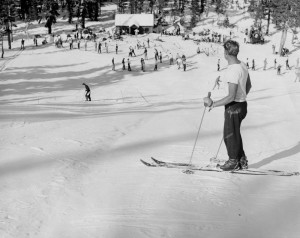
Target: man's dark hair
{"points": [[232, 47]]}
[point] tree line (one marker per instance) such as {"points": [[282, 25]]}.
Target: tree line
{"points": [[285, 14]]}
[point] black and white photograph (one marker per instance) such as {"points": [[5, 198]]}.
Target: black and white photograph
{"points": [[150, 119]]}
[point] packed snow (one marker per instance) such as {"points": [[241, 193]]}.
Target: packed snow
{"points": [[71, 168]]}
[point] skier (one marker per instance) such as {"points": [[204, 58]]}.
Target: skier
{"points": [[22, 44], [148, 41], [171, 59], [128, 62], [217, 83], [123, 63], [239, 85], [247, 64], [253, 64], [78, 43], [178, 61], [265, 63], [184, 62], [275, 63], [155, 64], [113, 64], [143, 64], [85, 44], [35, 41], [279, 69], [87, 92], [287, 64], [71, 43], [117, 47], [218, 64], [106, 46], [145, 54], [99, 47], [160, 57]]}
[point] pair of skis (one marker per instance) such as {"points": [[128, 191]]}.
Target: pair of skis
{"points": [[190, 168]]}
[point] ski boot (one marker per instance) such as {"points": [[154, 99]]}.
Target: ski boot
{"points": [[229, 165]]}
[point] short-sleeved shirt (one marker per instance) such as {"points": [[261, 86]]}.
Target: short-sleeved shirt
{"points": [[238, 74]]}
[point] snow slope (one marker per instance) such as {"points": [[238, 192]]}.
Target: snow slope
{"points": [[70, 168]]}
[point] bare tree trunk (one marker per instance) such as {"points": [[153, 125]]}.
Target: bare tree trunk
{"points": [[268, 24], [283, 39], [2, 55], [8, 35]]}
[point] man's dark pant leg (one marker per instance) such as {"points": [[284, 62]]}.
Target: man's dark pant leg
{"points": [[232, 135]]}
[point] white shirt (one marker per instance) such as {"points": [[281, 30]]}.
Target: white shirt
{"points": [[238, 74]]}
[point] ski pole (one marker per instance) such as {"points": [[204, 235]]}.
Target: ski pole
{"points": [[209, 94], [215, 158]]}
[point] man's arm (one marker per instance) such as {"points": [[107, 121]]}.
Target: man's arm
{"points": [[232, 88], [248, 84]]}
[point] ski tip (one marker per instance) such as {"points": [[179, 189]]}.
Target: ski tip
{"points": [[146, 163]]}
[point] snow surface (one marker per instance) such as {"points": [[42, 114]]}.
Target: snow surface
{"points": [[71, 168]]}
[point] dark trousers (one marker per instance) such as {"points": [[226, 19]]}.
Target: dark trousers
{"points": [[235, 112], [88, 96]]}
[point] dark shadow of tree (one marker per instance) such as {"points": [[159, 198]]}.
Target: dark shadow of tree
{"points": [[281, 155]]}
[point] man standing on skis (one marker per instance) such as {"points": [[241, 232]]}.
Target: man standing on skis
{"points": [[239, 85]]}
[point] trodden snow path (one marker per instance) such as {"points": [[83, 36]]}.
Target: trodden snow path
{"points": [[71, 168]]}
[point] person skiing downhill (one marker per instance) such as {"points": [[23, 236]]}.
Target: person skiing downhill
{"points": [[87, 92], [239, 85]]}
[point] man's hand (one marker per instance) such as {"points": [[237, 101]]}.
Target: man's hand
{"points": [[207, 102]]}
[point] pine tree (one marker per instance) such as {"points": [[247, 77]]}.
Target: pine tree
{"points": [[195, 9], [221, 6], [286, 14]]}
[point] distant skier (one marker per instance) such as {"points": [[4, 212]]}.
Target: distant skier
{"points": [[87, 92], [117, 47], [85, 44], [106, 46], [155, 64], [218, 65], [143, 64], [217, 83], [145, 54], [35, 41], [71, 43], [22, 44], [275, 63], [113, 64], [123, 63], [171, 59], [78, 44], [128, 62], [265, 63], [184, 62], [148, 41], [279, 69], [287, 64], [99, 47], [247, 64], [239, 85], [160, 57], [253, 64]]}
